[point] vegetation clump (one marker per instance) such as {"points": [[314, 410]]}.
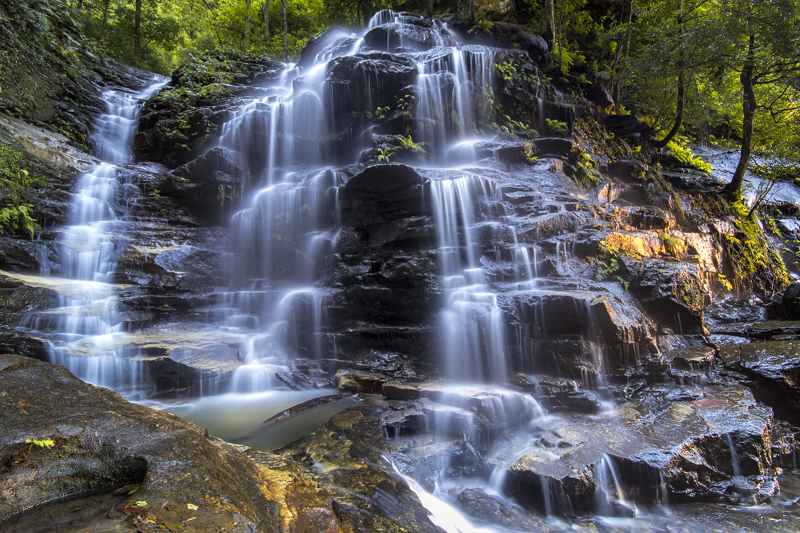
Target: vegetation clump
{"points": [[754, 261], [16, 185]]}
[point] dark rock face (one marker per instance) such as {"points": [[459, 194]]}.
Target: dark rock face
{"points": [[183, 121], [674, 293], [366, 495], [685, 435], [791, 301], [210, 186], [117, 444], [773, 372]]}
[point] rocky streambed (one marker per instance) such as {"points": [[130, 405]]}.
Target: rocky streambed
{"points": [[420, 306]]}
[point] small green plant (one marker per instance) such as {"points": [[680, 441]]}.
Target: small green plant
{"points": [[684, 155], [43, 443], [386, 153], [610, 268], [406, 104], [155, 193], [17, 184], [506, 70], [382, 113], [407, 143], [557, 127], [481, 26], [722, 280], [674, 246]]}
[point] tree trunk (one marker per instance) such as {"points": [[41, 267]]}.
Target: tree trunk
{"points": [[561, 36], [550, 17], [676, 127], [266, 22], [137, 28], [623, 49], [285, 34], [247, 23], [106, 5], [749, 110], [681, 92]]}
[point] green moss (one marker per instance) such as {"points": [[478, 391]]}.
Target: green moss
{"points": [[753, 259], [557, 127]]}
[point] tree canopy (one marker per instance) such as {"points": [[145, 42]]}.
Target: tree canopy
{"points": [[708, 70]]}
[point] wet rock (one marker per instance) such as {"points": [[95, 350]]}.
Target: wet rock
{"points": [[772, 329], [18, 343], [553, 146], [693, 357], [552, 486], [483, 413], [25, 256], [331, 39], [418, 36], [304, 505], [495, 510], [23, 294], [773, 371], [673, 293], [367, 495], [380, 194], [210, 186], [627, 170], [674, 438], [652, 218], [175, 268], [627, 126], [548, 321], [559, 395], [360, 381], [102, 442], [785, 445]]}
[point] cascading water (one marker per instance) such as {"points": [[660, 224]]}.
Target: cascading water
{"points": [[88, 318], [320, 124]]}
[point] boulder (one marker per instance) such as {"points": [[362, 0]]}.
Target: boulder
{"points": [[791, 301], [493, 510], [420, 35], [210, 186], [380, 194], [674, 294], [97, 442], [692, 443], [772, 369], [367, 493]]}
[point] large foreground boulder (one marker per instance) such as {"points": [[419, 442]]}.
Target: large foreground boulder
{"points": [[91, 440]]}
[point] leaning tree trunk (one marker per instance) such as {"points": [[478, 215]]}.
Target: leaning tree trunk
{"points": [[550, 17], [749, 105], [623, 50], [676, 127]]}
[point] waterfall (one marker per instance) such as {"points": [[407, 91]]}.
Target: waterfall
{"points": [[88, 319]]}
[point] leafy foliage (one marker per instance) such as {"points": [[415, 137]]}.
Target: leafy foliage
{"points": [[16, 185], [683, 154]]}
